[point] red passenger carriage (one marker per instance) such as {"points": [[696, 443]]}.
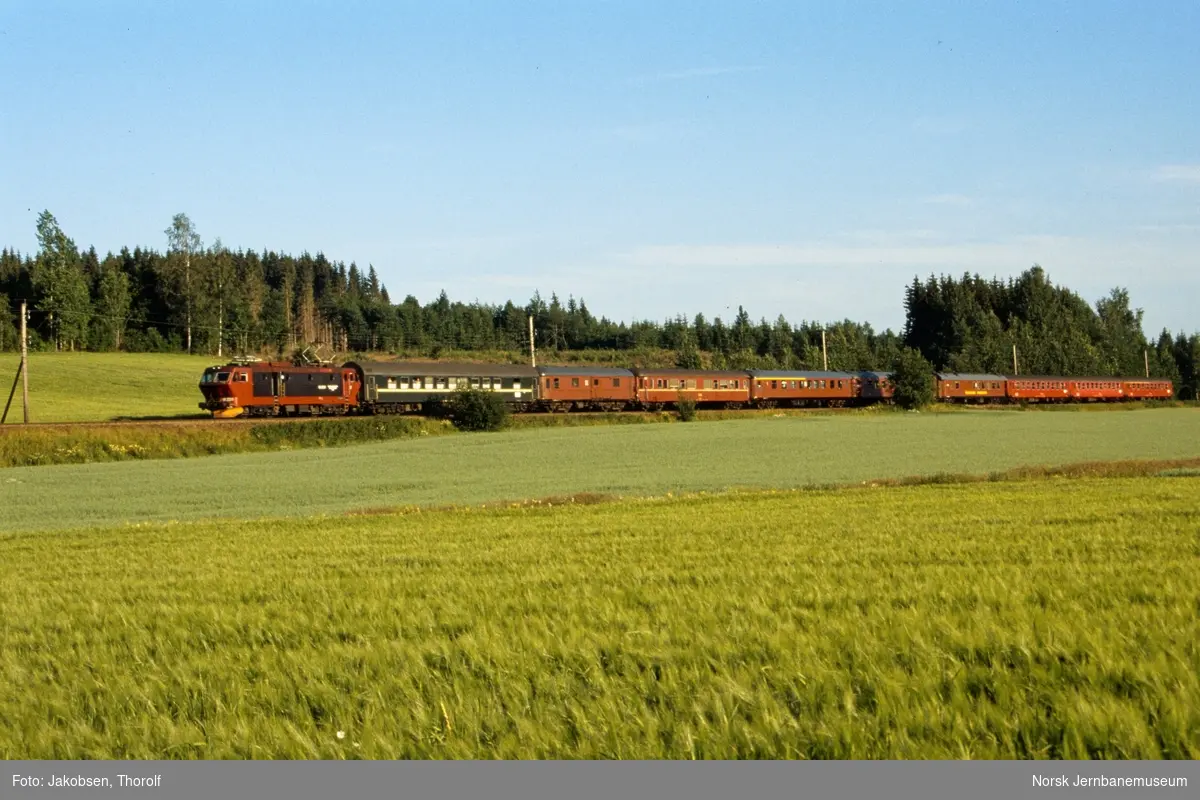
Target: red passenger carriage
{"points": [[657, 388], [1148, 388], [875, 386], [585, 388], [1093, 389], [770, 388], [957, 387], [1037, 388]]}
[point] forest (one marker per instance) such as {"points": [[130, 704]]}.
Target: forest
{"points": [[195, 298]]}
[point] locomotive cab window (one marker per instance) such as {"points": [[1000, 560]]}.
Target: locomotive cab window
{"points": [[222, 377]]}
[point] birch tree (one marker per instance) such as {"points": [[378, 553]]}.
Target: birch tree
{"points": [[183, 242], [221, 273]]}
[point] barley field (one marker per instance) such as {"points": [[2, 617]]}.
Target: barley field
{"points": [[1038, 619], [624, 460]]}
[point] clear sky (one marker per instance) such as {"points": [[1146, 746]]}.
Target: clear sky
{"points": [[803, 158]]}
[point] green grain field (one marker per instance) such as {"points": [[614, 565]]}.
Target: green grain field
{"points": [[616, 460], [85, 387], [1029, 620]]}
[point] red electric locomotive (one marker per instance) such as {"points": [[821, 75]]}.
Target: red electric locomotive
{"points": [[277, 388]]}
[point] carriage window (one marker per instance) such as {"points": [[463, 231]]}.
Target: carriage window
{"points": [[391, 383], [474, 383], [555, 382], [517, 384], [574, 381], [616, 382], [547, 383], [585, 381]]}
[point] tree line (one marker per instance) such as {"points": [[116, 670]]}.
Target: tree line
{"points": [[197, 298]]}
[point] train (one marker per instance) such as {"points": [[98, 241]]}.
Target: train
{"points": [[252, 387]]}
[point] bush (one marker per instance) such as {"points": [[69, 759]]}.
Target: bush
{"points": [[478, 410], [436, 407], [912, 377], [686, 406]]}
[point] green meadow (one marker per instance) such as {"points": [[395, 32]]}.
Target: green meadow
{"points": [[623, 460], [87, 387]]}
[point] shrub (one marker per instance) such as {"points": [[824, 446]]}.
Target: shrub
{"points": [[436, 407], [912, 377], [686, 406], [478, 410]]}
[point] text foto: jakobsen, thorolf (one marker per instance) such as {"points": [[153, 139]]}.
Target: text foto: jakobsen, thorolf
{"points": [[86, 781]]}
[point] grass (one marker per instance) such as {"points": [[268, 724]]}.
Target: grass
{"points": [[84, 387], [617, 460], [1022, 620], [68, 444]]}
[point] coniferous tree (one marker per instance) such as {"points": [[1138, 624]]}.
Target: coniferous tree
{"points": [[113, 305]]}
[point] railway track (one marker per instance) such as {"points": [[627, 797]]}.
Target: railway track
{"points": [[155, 422]]}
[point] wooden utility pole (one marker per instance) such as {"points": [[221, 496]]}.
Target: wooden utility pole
{"points": [[1015, 370], [532, 354], [24, 364], [824, 352], [1146, 358]]}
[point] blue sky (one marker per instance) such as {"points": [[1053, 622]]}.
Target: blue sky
{"points": [[656, 158]]}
